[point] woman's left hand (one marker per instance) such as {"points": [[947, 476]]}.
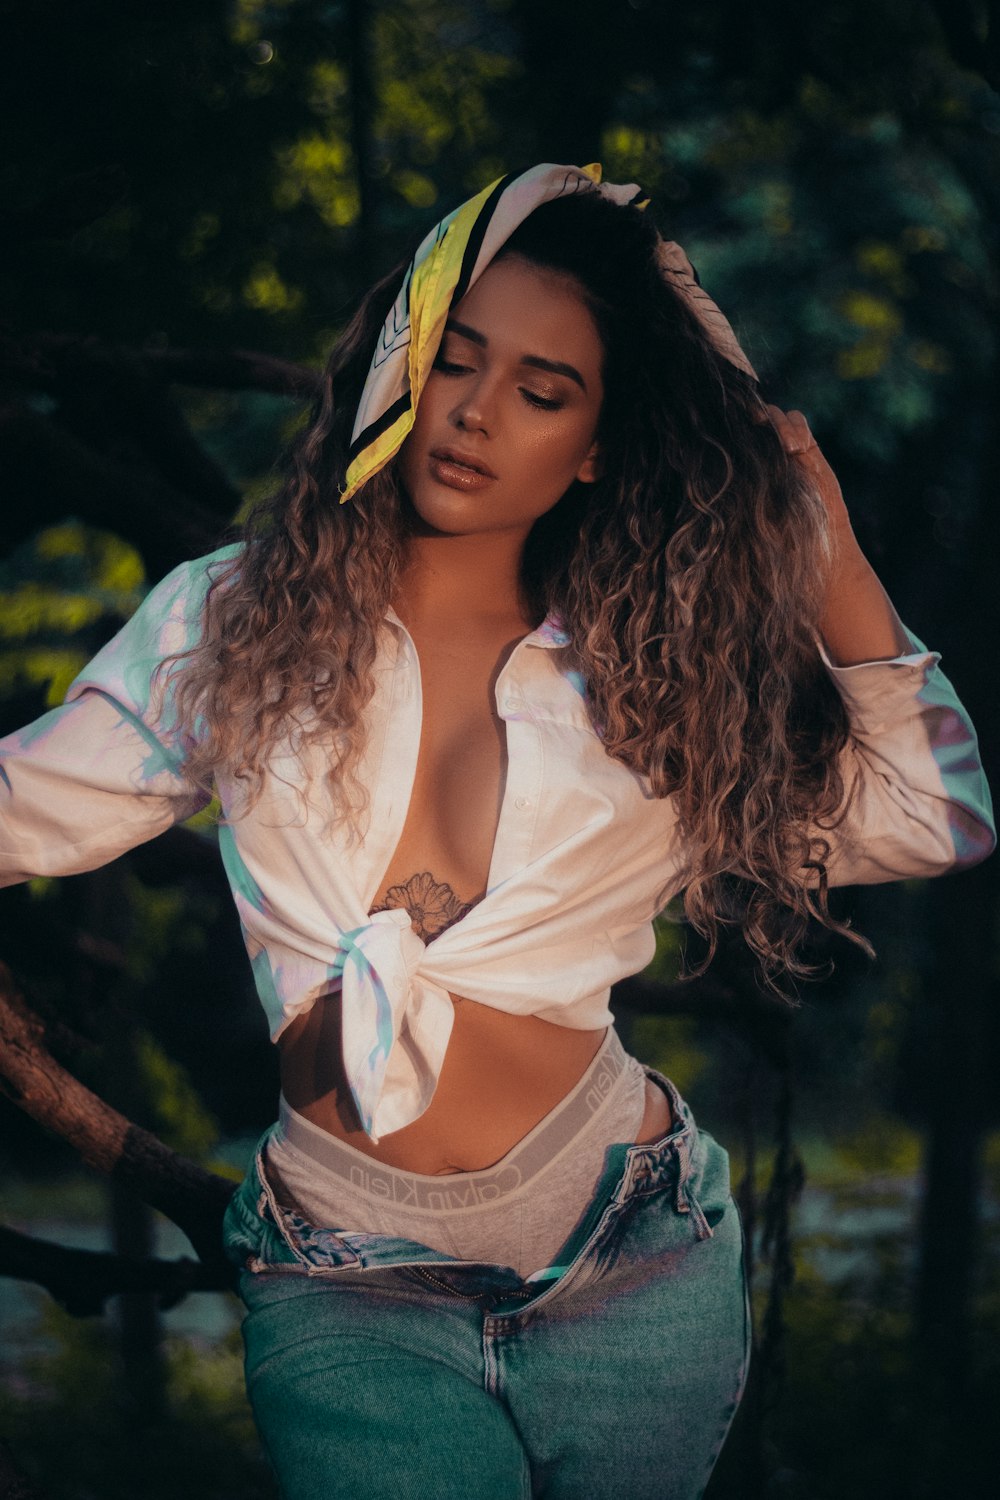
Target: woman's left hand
{"points": [[797, 439]]}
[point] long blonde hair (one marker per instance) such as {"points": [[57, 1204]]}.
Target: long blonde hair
{"points": [[691, 580]]}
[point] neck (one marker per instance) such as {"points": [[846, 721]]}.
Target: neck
{"points": [[471, 581]]}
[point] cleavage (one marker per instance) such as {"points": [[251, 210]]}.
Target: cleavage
{"points": [[440, 867]]}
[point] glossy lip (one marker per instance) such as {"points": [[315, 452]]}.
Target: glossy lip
{"points": [[464, 460]]}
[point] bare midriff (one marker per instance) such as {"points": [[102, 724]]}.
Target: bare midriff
{"points": [[502, 1073]]}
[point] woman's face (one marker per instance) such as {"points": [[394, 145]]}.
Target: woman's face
{"points": [[508, 417]]}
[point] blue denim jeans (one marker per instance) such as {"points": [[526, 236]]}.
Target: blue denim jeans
{"points": [[377, 1367]]}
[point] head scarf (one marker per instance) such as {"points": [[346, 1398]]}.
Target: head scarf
{"points": [[449, 260]]}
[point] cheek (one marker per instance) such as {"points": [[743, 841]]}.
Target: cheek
{"points": [[563, 457], [556, 443]]}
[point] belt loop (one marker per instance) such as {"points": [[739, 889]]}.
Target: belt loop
{"points": [[274, 1211], [683, 1172], [267, 1192]]}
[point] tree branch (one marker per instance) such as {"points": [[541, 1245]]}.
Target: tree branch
{"points": [[49, 474], [35, 362], [236, 370], [81, 1281], [193, 1198]]}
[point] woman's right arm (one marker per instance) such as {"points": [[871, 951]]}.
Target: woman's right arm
{"points": [[105, 771]]}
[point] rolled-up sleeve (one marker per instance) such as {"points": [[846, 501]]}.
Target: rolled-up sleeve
{"points": [[919, 803], [106, 771]]}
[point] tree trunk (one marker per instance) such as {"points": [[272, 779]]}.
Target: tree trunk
{"points": [[142, 1368], [954, 1435]]}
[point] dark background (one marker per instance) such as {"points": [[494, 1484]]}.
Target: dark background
{"points": [[192, 197]]}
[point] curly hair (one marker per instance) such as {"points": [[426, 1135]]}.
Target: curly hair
{"points": [[690, 578]]}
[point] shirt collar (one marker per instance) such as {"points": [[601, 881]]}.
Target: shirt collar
{"points": [[551, 633]]}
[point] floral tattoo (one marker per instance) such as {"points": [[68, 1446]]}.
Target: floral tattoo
{"points": [[432, 905]]}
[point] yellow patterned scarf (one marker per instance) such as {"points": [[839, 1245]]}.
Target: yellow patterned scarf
{"points": [[447, 263]]}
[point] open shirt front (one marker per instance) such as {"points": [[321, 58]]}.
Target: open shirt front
{"points": [[584, 857]]}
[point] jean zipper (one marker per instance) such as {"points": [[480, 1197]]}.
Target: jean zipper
{"points": [[465, 1296]]}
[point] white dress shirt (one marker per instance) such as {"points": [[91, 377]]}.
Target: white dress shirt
{"points": [[584, 856]]}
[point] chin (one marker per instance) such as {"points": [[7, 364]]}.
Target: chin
{"points": [[434, 515]]}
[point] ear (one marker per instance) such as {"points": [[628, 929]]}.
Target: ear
{"points": [[592, 467]]}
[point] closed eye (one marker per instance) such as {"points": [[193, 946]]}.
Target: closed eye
{"points": [[449, 367], [541, 403], [544, 402]]}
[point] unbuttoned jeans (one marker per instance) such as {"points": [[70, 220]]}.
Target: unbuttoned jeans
{"points": [[378, 1367]]}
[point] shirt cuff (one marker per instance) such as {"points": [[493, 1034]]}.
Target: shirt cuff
{"points": [[877, 692]]}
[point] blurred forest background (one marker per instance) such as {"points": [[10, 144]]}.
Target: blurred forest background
{"points": [[193, 194]]}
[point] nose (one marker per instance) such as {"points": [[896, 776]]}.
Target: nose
{"points": [[474, 410]]}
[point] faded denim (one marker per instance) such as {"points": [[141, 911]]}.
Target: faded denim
{"points": [[378, 1368]]}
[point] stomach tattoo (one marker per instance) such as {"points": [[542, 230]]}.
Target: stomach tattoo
{"points": [[431, 904]]}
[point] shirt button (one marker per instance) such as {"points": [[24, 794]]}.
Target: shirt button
{"points": [[513, 704], [522, 802]]}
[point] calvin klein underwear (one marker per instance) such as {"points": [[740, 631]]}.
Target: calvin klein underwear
{"points": [[517, 1212]]}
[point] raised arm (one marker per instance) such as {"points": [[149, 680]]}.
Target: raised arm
{"points": [[921, 803], [859, 624]]}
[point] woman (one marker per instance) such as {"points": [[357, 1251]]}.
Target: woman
{"points": [[587, 628]]}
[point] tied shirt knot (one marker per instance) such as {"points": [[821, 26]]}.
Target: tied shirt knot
{"points": [[395, 1023]]}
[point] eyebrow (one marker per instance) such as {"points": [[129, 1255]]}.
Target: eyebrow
{"points": [[555, 366]]}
